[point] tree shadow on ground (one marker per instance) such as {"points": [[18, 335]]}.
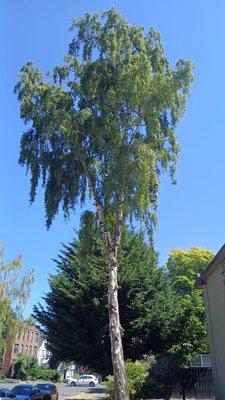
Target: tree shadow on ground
{"points": [[96, 390]]}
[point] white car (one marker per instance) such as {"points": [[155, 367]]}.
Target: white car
{"points": [[83, 380]]}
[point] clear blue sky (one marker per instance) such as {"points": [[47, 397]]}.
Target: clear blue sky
{"points": [[191, 213]]}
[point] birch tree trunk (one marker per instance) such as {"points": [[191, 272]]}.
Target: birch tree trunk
{"points": [[115, 330], [112, 246]]}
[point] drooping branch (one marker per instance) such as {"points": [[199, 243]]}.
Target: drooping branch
{"points": [[97, 202]]}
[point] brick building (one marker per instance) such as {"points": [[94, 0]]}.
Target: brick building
{"points": [[26, 342]]}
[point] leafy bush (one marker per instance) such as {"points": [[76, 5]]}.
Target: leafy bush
{"points": [[110, 386], [27, 368], [2, 377], [137, 373], [48, 374]]}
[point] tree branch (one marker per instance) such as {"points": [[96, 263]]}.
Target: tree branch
{"points": [[97, 202]]}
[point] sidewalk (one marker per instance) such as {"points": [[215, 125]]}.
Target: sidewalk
{"points": [[88, 396]]}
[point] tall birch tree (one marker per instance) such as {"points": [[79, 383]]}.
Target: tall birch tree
{"points": [[103, 124]]}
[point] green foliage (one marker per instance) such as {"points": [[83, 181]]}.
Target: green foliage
{"points": [[47, 374], [2, 377], [77, 302], [105, 119], [103, 124], [157, 315], [136, 373], [186, 335], [14, 291], [188, 332], [184, 267], [27, 368]]}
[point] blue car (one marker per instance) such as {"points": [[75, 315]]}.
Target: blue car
{"points": [[27, 392], [5, 394]]}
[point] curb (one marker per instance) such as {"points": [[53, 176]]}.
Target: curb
{"points": [[86, 396]]}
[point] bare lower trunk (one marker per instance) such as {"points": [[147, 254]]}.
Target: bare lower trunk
{"points": [[112, 245], [115, 331]]}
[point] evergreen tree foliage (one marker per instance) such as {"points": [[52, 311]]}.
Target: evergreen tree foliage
{"points": [[75, 316], [162, 311]]}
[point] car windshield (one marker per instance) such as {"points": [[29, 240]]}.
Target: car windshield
{"points": [[22, 390], [44, 387], [2, 393]]}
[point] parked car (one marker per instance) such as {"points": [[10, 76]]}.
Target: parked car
{"points": [[27, 392], [99, 377], [83, 380], [5, 393], [49, 390]]}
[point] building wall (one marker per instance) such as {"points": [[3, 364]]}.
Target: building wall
{"points": [[214, 292], [43, 354], [7, 358], [26, 342]]}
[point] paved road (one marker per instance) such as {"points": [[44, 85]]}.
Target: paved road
{"points": [[66, 391]]}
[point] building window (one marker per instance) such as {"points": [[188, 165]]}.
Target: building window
{"points": [[28, 335], [32, 336], [22, 348], [16, 348], [24, 333], [36, 337], [30, 350], [18, 335], [35, 350], [26, 349]]}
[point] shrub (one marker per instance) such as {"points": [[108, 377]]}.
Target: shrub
{"points": [[55, 375], [110, 386], [48, 374], [27, 368], [2, 377], [137, 373]]}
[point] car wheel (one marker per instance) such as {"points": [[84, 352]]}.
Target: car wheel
{"points": [[91, 384], [73, 384]]}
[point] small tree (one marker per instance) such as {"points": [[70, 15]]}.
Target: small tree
{"points": [[14, 291], [105, 124], [188, 335]]}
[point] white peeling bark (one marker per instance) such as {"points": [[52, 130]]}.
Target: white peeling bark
{"points": [[113, 306], [115, 331]]}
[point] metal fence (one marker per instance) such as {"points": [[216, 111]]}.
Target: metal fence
{"points": [[203, 360], [200, 385]]}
